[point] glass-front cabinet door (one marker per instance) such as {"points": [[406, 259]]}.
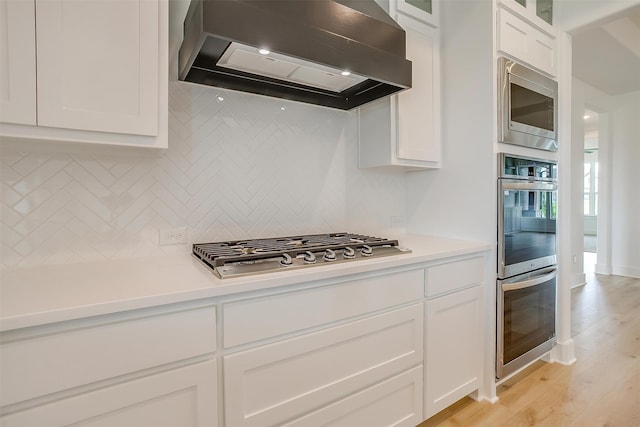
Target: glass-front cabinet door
{"points": [[424, 10], [543, 8]]}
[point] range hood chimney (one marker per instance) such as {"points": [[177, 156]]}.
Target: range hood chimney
{"points": [[336, 53]]}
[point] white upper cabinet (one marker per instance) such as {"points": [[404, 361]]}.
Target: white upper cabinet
{"points": [[424, 10], [17, 62], [525, 43], [403, 131], [102, 73], [97, 65], [536, 12]]}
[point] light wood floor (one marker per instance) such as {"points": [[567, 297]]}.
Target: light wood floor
{"points": [[601, 389]]}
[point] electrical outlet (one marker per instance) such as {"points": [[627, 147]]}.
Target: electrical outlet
{"points": [[173, 236]]}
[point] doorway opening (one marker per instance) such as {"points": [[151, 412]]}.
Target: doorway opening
{"points": [[591, 171]]}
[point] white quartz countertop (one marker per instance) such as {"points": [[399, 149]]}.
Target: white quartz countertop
{"points": [[41, 295]]}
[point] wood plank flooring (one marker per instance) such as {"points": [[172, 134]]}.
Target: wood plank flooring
{"points": [[601, 389]]}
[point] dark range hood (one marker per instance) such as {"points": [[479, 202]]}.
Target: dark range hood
{"points": [[336, 53]]}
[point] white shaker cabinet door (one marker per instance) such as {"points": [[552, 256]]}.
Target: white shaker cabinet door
{"points": [[185, 397], [418, 107], [453, 348], [98, 65], [17, 62]]}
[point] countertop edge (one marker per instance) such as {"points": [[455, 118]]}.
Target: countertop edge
{"points": [[33, 312]]}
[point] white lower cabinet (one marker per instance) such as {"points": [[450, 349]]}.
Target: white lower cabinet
{"points": [[453, 356], [275, 383], [387, 348], [147, 367], [181, 397]]}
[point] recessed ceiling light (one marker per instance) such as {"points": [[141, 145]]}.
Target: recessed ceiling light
{"points": [[220, 98], [346, 73], [264, 51], [586, 116]]}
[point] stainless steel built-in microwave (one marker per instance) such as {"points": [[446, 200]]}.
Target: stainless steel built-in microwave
{"points": [[527, 107]]}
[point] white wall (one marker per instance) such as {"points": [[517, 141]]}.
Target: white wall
{"points": [[618, 156], [625, 185], [583, 96], [234, 169], [573, 14], [459, 199]]}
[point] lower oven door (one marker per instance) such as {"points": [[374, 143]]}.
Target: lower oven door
{"points": [[526, 314]]}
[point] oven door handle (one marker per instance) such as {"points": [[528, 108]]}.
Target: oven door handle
{"points": [[529, 283], [515, 185]]}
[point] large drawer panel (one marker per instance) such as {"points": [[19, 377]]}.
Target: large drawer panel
{"points": [[394, 402], [455, 275], [265, 317], [51, 359], [267, 385], [183, 397]]}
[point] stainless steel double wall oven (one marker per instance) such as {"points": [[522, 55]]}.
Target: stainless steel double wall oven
{"points": [[527, 257]]}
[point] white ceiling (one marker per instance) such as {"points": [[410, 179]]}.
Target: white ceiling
{"points": [[607, 55]]}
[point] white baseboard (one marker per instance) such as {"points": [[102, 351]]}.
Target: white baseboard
{"points": [[625, 270], [577, 280], [603, 269], [564, 352]]}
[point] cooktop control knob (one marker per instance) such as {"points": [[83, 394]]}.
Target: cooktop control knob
{"points": [[309, 257], [349, 253], [329, 255], [366, 250], [286, 260]]}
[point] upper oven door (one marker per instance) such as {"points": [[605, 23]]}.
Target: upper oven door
{"points": [[527, 214]]}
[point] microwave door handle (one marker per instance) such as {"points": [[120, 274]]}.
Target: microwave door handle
{"points": [[528, 283]]}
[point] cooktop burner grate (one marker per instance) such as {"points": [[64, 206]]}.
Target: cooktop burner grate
{"points": [[242, 256]]}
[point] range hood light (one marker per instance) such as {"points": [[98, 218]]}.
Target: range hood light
{"points": [[335, 53]]}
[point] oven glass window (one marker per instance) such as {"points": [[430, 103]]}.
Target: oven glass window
{"points": [[529, 318], [529, 225], [531, 108]]}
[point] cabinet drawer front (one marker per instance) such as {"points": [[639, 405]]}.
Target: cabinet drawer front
{"points": [[181, 397], [273, 383], [270, 316], [394, 402], [55, 360], [455, 275]]}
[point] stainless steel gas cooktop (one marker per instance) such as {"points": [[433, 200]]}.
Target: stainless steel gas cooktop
{"points": [[246, 257]]}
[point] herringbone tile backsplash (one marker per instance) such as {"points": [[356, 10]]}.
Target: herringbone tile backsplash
{"points": [[239, 167]]}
